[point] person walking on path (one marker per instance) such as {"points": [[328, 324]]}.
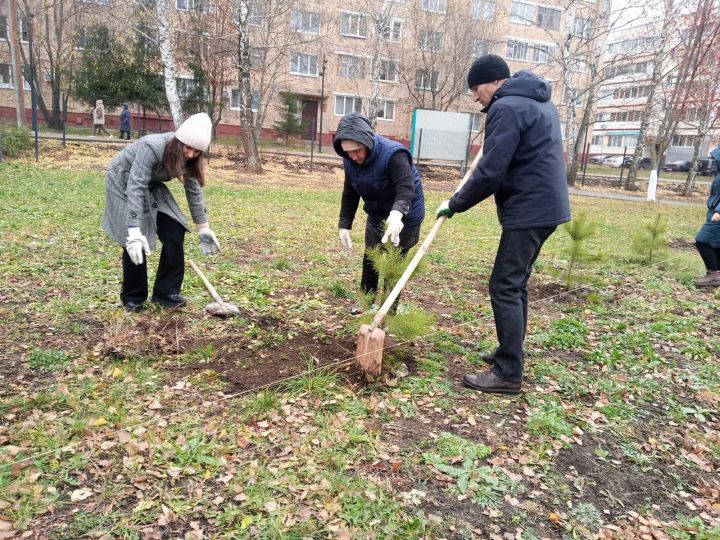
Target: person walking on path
{"points": [[125, 119], [139, 207], [707, 240], [99, 119], [523, 167], [381, 173]]}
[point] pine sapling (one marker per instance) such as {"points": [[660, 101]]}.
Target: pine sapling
{"points": [[650, 240], [579, 229]]}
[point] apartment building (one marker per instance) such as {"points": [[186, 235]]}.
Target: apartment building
{"points": [[383, 56]]}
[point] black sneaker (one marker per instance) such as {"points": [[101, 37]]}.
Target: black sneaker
{"points": [[134, 307], [172, 301]]}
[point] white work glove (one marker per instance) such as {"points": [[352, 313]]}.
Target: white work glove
{"points": [[344, 235], [393, 227], [208, 241], [136, 244]]}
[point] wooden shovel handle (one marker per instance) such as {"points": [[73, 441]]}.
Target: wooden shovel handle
{"points": [[207, 284], [400, 285]]}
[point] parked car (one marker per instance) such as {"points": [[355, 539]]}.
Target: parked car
{"points": [[598, 159], [707, 167], [680, 166], [617, 161], [644, 164]]}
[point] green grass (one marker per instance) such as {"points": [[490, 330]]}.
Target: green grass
{"points": [[159, 414]]}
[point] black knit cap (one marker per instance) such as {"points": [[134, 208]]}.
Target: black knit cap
{"points": [[487, 68]]}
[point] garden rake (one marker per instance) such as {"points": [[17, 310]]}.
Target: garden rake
{"points": [[219, 308], [368, 355]]}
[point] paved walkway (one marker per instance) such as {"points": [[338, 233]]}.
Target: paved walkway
{"points": [[633, 198]]}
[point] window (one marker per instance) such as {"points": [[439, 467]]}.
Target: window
{"points": [[516, 50], [24, 29], [392, 31], [185, 86], [597, 140], [615, 140], [696, 114], [305, 21], [347, 104], [353, 25], [548, 18], [582, 28], [256, 57], [26, 76], [101, 2], [480, 47], [677, 140], [235, 99], [386, 110], [303, 64], [426, 80], [191, 5], [387, 71], [430, 41], [92, 37], [3, 27], [605, 93], [578, 64], [602, 117], [521, 13], [562, 130], [626, 116], [6, 80], [576, 97], [483, 9], [543, 54], [627, 69], [436, 6], [477, 122], [351, 66]]}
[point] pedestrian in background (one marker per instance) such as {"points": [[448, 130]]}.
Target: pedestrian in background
{"points": [[139, 207], [125, 121], [523, 167], [99, 119]]}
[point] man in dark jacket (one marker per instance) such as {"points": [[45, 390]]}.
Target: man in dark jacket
{"points": [[524, 168], [381, 172], [125, 121]]}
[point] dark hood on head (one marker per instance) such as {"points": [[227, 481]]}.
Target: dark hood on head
{"points": [[525, 84], [354, 126], [715, 154]]}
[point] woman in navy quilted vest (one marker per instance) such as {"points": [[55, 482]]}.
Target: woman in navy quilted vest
{"points": [[381, 173], [707, 240]]}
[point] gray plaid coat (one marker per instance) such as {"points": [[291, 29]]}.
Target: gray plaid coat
{"points": [[135, 191]]}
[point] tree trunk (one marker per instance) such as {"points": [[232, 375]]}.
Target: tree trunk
{"points": [[11, 10], [247, 127], [168, 60]]}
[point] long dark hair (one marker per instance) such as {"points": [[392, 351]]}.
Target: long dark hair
{"points": [[175, 163]]}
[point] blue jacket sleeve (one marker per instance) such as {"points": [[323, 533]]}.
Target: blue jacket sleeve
{"points": [[502, 136]]}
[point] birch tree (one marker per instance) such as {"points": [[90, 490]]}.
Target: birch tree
{"points": [[167, 55]]}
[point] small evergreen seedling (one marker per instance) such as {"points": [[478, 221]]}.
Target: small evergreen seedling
{"points": [[650, 240], [290, 122], [579, 229], [390, 263]]}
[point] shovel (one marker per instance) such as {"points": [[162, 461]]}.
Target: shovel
{"points": [[368, 355], [219, 308]]}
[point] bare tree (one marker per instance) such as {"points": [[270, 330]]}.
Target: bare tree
{"points": [[18, 72], [167, 54]]}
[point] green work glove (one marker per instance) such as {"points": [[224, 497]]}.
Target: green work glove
{"points": [[444, 210]]}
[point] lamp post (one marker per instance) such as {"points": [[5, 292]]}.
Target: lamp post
{"points": [[322, 100], [33, 96]]}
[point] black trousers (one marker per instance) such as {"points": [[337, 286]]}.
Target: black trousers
{"points": [[123, 133], [710, 256], [373, 234], [515, 257], [171, 268]]}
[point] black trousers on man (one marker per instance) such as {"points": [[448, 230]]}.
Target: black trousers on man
{"points": [[171, 268], [710, 256], [374, 230], [515, 257]]}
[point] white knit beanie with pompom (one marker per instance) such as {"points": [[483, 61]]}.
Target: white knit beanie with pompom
{"points": [[196, 132]]}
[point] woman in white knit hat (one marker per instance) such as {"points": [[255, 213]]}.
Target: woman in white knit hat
{"points": [[139, 207]]}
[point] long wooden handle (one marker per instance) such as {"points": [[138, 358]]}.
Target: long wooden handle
{"points": [[400, 285], [207, 284]]}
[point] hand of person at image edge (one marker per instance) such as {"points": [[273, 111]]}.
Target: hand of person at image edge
{"points": [[715, 217], [393, 227], [345, 240], [208, 241], [444, 210], [136, 244]]}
